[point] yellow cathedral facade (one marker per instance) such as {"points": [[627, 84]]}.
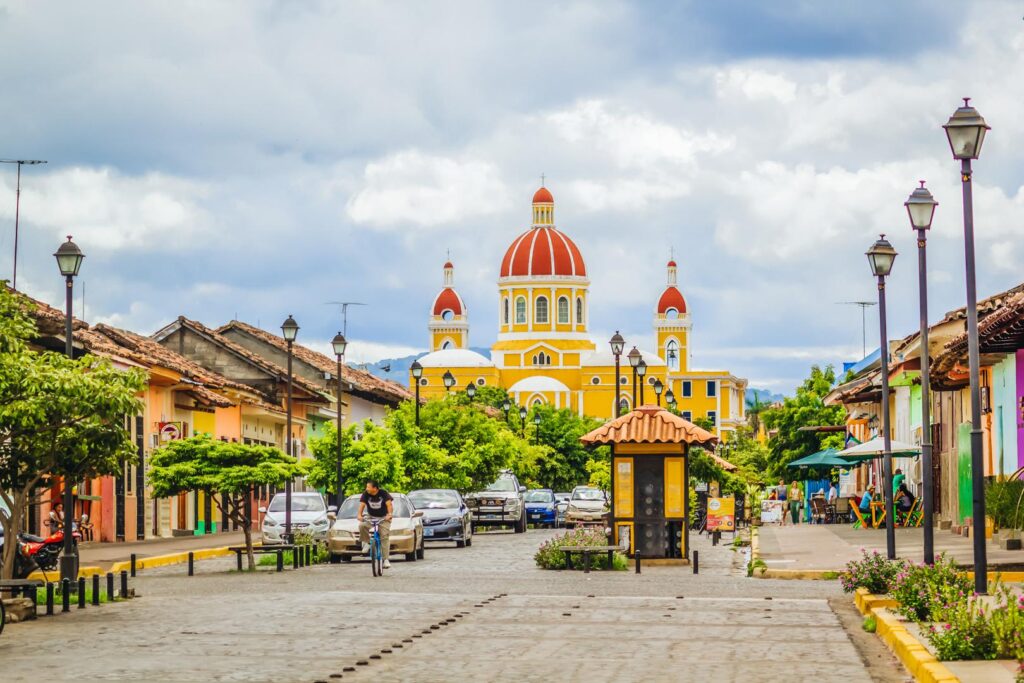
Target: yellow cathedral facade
{"points": [[543, 353]]}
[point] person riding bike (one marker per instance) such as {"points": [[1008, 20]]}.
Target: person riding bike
{"points": [[377, 503]]}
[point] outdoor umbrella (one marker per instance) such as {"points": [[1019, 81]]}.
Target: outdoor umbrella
{"points": [[826, 458], [869, 450]]}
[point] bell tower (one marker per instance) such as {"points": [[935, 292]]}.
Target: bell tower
{"points": [[672, 324], [449, 319]]}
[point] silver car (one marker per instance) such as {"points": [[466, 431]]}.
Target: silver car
{"points": [[587, 505], [309, 514]]}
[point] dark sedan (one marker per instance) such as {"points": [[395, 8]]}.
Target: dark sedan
{"points": [[445, 515]]}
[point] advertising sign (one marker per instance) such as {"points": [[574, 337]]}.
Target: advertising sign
{"points": [[721, 514]]}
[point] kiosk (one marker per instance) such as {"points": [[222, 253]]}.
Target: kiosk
{"points": [[650, 502]]}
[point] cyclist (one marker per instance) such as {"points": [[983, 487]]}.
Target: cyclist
{"points": [[377, 503]]}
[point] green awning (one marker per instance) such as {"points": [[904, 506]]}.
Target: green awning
{"points": [[826, 458]]}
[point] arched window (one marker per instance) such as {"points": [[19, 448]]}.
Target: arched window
{"points": [[579, 310], [520, 310], [541, 314], [563, 311], [447, 344], [671, 313], [672, 354], [447, 314], [623, 406], [505, 318], [538, 402]]}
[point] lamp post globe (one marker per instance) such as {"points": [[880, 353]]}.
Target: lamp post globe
{"points": [[449, 380], [69, 258], [471, 390], [289, 329], [339, 344], [658, 388], [618, 344], [670, 398], [506, 406], [920, 207], [881, 256], [416, 369], [965, 131], [522, 421], [536, 427], [634, 357]]}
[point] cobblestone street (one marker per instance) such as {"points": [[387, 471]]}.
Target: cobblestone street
{"points": [[482, 613]]}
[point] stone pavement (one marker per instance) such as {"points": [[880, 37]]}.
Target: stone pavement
{"points": [[483, 613], [103, 555], [831, 546]]}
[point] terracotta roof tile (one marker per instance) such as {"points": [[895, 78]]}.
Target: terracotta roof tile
{"points": [[650, 424]]}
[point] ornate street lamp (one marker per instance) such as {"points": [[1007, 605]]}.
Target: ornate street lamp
{"points": [[536, 427], [881, 256], [449, 380], [339, 345], [471, 390], [966, 132], [618, 344], [522, 421], [417, 371], [69, 260], [506, 405], [670, 399], [920, 209], [289, 330], [658, 388], [634, 360], [641, 372]]}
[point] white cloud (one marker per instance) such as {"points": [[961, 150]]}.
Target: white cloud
{"points": [[755, 84], [364, 351]]}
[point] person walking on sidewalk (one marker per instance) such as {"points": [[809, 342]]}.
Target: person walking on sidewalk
{"points": [[793, 499], [780, 494]]}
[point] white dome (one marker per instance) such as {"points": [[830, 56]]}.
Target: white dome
{"points": [[605, 358], [455, 358], [536, 384]]}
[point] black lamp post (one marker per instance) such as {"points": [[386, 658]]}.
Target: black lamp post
{"points": [[618, 344], [506, 405], [921, 208], [966, 132], [471, 390], [641, 372], [881, 256], [522, 421], [449, 380], [289, 330], [536, 427], [670, 399], [417, 371], [339, 345], [69, 260], [634, 360], [658, 388]]}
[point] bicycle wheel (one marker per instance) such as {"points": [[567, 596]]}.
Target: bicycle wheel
{"points": [[376, 562]]}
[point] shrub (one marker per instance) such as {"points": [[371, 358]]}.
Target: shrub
{"points": [[1001, 498], [548, 556], [1007, 625], [870, 623], [923, 591], [872, 571], [965, 634]]}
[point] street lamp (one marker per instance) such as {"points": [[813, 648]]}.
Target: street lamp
{"points": [[17, 211], [641, 371], [339, 345], [920, 209], [658, 388], [536, 427], [670, 399], [289, 330], [634, 360], [506, 405], [417, 371], [881, 256], [449, 380], [966, 132], [618, 344], [471, 390], [69, 260], [522, 421]]}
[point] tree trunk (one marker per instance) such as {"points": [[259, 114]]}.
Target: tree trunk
{"points": [[248, 546], [12, 527]]}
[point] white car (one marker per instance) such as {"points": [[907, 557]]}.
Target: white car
{"points": [[309, 514], [587, 505]]}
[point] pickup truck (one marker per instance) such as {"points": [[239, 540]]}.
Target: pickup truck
{"points": [[500, 504]]}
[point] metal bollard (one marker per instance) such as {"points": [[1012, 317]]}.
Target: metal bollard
{"points": [[110, 587], [49, 598], [95, 589], [716, 536], [586, 561], [124, 584], [636, 556], [191, 564], [280, 560], [65, 595], [238, 558], [133, 565], [300, 552], [309, 555], [696, 563], [295, 557], [81, 592]]}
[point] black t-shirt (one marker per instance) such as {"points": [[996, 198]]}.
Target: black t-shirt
{"points": [[376, 505]]}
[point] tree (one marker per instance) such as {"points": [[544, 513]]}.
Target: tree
{"points": [[232, 470], [806, 409], [58, 416], [560, 430]]}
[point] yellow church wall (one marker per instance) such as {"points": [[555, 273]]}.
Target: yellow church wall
{"points": [[552, 291]]}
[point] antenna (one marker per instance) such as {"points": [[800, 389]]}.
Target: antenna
{"points": [[344, 312], [863, 321]]}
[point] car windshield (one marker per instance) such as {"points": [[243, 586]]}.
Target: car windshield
{"points": [[299, 504], [563, 496], [588, 494], [503, 484], [434, 500], [351, 506], [539, 497]]}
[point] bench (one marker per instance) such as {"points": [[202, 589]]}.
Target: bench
{"points": [[263, 550], [24, 587], [586, 552]]}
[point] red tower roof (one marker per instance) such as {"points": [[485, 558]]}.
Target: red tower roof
{"points": [[543, 196], [672, 298], [672, 263], [449, 300], [543, 251]]}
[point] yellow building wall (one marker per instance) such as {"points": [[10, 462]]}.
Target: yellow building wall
{"points": [[552, 292]]}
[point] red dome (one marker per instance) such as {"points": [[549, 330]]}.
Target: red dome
{"points": [[542, 196], [543, 251], [449, 300], [672, 264], [672, 298], [448, 264]]}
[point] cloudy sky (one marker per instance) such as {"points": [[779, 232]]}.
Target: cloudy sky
{"points": [[258, 159]]}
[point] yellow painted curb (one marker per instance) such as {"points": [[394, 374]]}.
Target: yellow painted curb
{"points": [[915, 657], [173, 558], [800, 574], [1005, 577], [83, 572]]}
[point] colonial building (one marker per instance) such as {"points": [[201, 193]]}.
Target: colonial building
{"points": [[544, 353]]}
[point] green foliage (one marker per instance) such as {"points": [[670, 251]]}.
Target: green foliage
{"points": [[560, 430], [1006, 623], [922, 589], [704, 423], [806, 409], [600, 471], [756, 565], [751, 457], [965, 634], [830, 576], [548, 555], [1003, 502], [870, 624], [873, 571]]}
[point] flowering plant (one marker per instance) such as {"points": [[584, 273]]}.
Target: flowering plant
{"points": [[966, 633], [548, 555], [872, 571], [924, 591]]}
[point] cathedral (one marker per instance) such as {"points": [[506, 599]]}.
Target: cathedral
{"points": [[544, 354]]}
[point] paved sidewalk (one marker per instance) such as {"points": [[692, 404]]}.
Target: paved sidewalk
{"points": [[103, 555]]}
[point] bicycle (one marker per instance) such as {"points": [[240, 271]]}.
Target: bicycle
{"points": [[376, 552]]}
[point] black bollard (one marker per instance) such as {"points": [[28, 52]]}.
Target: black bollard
{"points": [[716, 536], [280, 561], [95, 589], [124, 584], [49, 598], [637, 558], [110, 587], [295, 557], [81, 592], [191, 564], [133, 565], [65, 595], [309, 555], [300, 553], [696, 563]]}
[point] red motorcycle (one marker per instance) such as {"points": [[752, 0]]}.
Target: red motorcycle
{"points": [[36, 552]]}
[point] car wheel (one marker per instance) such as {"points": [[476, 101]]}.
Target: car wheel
{"points": [[335, 559], [520, 527], [420, 552], [410, 557], [462, 543]]}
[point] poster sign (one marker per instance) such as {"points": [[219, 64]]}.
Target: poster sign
{"points": [[721, 514], [772, 511], [170, 431]]}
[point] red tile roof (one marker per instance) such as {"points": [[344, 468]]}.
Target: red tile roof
{"points": [[650, 424]]}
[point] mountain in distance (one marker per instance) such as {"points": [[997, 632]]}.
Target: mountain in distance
{"points": [[763, 396], [397, 369]]}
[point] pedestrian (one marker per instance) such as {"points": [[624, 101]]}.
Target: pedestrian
{"points": [[897, 480], [793, 499], [780, 494], [56, 522]]}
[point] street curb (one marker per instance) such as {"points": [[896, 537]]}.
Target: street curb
{"points": [[83, 572], [173, 558], [919, 662], [790, 574]]}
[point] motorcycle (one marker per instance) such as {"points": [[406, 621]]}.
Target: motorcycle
{"points": [[36, 552]]}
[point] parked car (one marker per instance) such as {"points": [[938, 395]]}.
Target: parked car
{"points": [[446, 516], [406, 530], [561, 505], [309, 513], [500, 504], [540, 507], [587, 505]]}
